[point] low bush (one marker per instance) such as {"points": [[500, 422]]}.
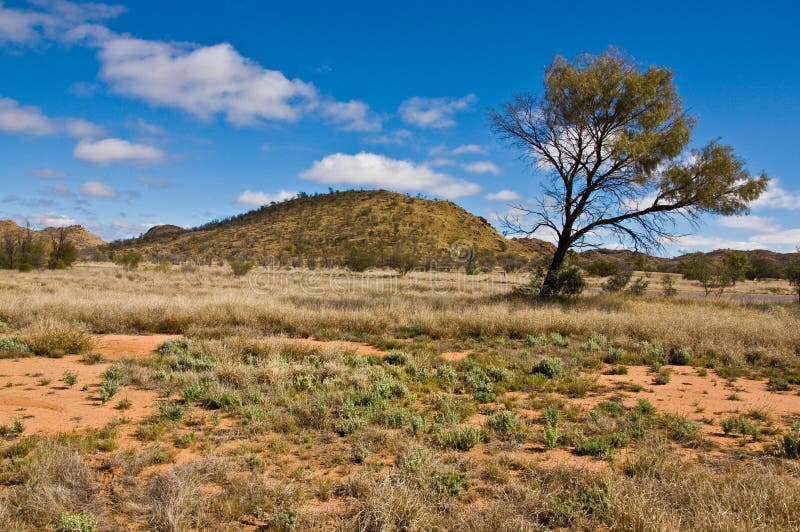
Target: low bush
{"points": [[55, 339], [549, 367]]}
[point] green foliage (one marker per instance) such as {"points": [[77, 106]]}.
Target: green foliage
{"points": [[549, 367], [396, 358], [566, 281], [459, 438], [171, 411], [360, 259], [70, 378], [740, 425], [534, 340], [778, 384], [679, 356], [78, 522], [552, 423], [240, 268], [638, 287], [789, 443], [668, 286], [506, 426], [793, 275], [63, 253], [109, 386], [617, 282], [715, 278], [448, 482], [559, 340], [603, 446], [602, 268], [129, 260], [662, 377], [14, 348]]}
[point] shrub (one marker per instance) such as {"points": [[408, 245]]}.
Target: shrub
{"points": [[361, 260], [552, 421], [740, 425], [679, 356], [668, 286], [396, 358], [559, 339], [567, 281], [129, 260], [778, 384], [602, 268], [82, 522], [448, 482], [241, 268], [13, 348], [506, 425], [534, 340], [549, 367], [55, 339], [601, 446], [459, 438], [789, 444], [639, 287], [615, 355], [662, 377], [617, 282], [69, 378], [171, 411]]}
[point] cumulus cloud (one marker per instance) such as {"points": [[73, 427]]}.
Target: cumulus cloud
{"points": [[776, 197], [47, 173], [51, 219], [60, 189], [468, 148], [370, 169], [249, 198], [107, 151], [98, 189], [83, 129], [207, 81], [503, 195], [51, 19], [16, 118], [439, 162], [434, 112], [482, 167], [30, 120], [752, 223]]}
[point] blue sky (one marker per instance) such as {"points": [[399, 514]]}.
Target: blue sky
{"points": [[122, 116]]}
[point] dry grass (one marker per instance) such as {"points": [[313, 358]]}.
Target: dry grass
{"points": [[259, 431]]}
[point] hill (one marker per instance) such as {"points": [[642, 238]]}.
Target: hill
{"points": [[77, 234], [324, 229]]}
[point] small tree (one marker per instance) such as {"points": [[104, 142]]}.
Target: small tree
{"points": [[613, 140], [403, 260], [63, 253], [240, 268], [793, 274], [129, 260], [361, 260], [668, 286]]}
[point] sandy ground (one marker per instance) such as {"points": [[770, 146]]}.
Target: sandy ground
{"points": [[32, 390]]}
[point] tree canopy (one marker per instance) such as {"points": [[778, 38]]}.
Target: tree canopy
{"points": [[613, 140]]}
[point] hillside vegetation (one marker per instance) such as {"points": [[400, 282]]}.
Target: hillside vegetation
{"points": [[329, 229]]}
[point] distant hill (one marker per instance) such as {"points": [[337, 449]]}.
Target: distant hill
{"points": [[77, 234], [326, 228]]}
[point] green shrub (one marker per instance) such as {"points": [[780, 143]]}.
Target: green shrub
{"points": [[69, 378], [549, 367], [778, 384], [552, 422], [617, 282], [679, 356], [171, 411], [78, 522], [534, 340], [14, 348], [112, 379], [396, 358], [789, 444], [448, 482], [459, 438], [505, 425], [615, 355], [601, 446], [740, 425], [638, 288], [241, 268], [559, 340], [662, 377]]}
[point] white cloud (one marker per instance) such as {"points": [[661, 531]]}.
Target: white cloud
{"points": [[351, 116], [249, 198], [83, 129], [778, 198], [30, 120], [371, 169], [146, 127], [482, 167], [785, 237], [107, 151], [60, 189], [51, 219], [503, 195], [468, 148], [442, 161], [206, 81], [398, 136], [713, 242], [48, 173], [27, 26], [98, 189], [27, 119], [752, 223], [434, 112]]}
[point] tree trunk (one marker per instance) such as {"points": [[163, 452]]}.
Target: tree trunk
{"points": [[548, 286]]}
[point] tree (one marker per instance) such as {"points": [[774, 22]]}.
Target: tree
{"points": [[129, 260], [63, 253], [793, 274], [699, 267], [613, 140], [403, 259]]}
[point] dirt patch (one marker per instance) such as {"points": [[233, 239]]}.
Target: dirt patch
{"points": [[122, 346], [32, 389], [455, 356]]}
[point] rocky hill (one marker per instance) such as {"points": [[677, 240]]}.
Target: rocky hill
{"points": [[77, 234], [325, 229]]}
